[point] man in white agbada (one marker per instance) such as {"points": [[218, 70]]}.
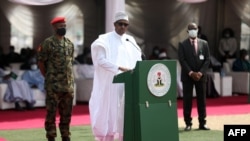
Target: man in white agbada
{"points": [[17, 91], [112, 53]]}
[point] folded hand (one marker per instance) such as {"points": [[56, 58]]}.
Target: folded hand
{"points": [[195, 76]]}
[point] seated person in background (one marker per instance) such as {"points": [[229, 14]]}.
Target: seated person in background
{"points": [[242, 63], [34, 77], [11, 56], [17, 90], [227, 45], [30, 57], [86, 70], [155, 53], [201, 35], [81, 57], [215, 64], [163, 54]]}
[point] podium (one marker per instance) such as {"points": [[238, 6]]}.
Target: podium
{"points": [[150, 112]]}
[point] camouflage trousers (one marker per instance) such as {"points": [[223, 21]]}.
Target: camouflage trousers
{"points": [[62, 102]]}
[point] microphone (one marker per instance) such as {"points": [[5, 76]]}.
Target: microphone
{"points": [[143, 56]]}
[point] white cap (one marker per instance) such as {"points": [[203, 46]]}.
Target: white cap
{"points": [[163, 54], [121, 16]]}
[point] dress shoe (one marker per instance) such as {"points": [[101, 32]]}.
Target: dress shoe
{"points": [[65, 139], [29, 106], [203, 127], [188, 128], [51, 139], [18, 107]]}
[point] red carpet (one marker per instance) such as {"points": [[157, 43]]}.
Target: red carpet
{"points": [[222, 106], [11, 119], [1, 139]]}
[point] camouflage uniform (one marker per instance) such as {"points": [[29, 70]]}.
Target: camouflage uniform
{"points": [[59, 83]]}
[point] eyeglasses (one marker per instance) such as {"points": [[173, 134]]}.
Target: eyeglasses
{"points": [[122, 24]]}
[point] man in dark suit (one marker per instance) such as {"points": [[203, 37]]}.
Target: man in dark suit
{"points": [[194, 58]]}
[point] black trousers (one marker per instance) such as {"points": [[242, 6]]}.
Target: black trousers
{"points": [[200, 87]]}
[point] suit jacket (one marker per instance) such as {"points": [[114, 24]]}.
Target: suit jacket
{"points": [[192, 61]]}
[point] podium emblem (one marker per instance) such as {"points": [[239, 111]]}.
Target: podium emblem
{"points": [[159, 80]]}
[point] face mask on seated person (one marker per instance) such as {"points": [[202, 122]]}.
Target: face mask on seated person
{"points": [[34, 67], [247, 57]]}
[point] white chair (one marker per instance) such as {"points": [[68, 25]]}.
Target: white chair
{"points": [[83, 86], [240, 79]]}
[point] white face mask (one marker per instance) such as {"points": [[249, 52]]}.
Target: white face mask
{"points": [[247, 57], [34, 67], [193, 33]]}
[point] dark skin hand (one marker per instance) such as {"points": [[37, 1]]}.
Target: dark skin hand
{"points": [[196, 76], [6, 77], [123, 69]]}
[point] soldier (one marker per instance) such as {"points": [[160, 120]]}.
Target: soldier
{"points": [[55, 60]]}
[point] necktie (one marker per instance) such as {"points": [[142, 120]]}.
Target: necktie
{"points": [[193, 44]]}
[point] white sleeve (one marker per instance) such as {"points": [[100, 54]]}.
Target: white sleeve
{"points": [[99, 59]]}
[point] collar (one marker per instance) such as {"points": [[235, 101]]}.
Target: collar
{"points": [[121, 37], [195, 40]]}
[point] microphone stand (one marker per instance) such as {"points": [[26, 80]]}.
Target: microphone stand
{"points": [[143, 56]]}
